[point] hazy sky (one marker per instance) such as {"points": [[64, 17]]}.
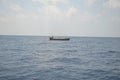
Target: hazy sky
{"points": [[60, 17]]}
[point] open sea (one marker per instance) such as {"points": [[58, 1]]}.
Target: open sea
{"points": [[38, 58]]}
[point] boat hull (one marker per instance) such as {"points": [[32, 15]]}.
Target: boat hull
{"points": [[61, 39]]}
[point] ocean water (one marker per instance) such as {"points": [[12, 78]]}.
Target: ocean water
{"points": [[37, 58]]}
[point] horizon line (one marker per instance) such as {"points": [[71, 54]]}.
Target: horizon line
{"points": [[59, 35]]}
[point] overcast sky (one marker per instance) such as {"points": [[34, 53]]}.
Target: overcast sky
{"points": [[99, 18]]}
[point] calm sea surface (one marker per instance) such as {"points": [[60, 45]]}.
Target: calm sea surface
{"points": [[37, 58]]}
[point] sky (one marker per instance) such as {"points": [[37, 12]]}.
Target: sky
{"points": [[93, 18]]}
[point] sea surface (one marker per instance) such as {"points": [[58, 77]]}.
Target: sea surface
{"points": [[81, 58]]}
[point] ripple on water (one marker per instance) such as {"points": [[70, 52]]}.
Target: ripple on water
{"points": [[67, 60]]}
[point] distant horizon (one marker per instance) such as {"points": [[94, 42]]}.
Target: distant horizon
{"points": [[62, 36]]}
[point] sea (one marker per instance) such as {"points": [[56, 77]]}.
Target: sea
{"points": [[80, 58]]}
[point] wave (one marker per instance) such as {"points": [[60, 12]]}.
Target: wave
{"points": [[114, 51], [15, 49], [67, 60], [70, 50]]}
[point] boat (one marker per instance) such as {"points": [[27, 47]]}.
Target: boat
{"points": [[62, 39]]}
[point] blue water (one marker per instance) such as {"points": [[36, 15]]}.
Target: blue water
{"points": [[37, 58]]}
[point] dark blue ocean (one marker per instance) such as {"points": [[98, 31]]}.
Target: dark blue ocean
{"points": [[37, 58]]}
